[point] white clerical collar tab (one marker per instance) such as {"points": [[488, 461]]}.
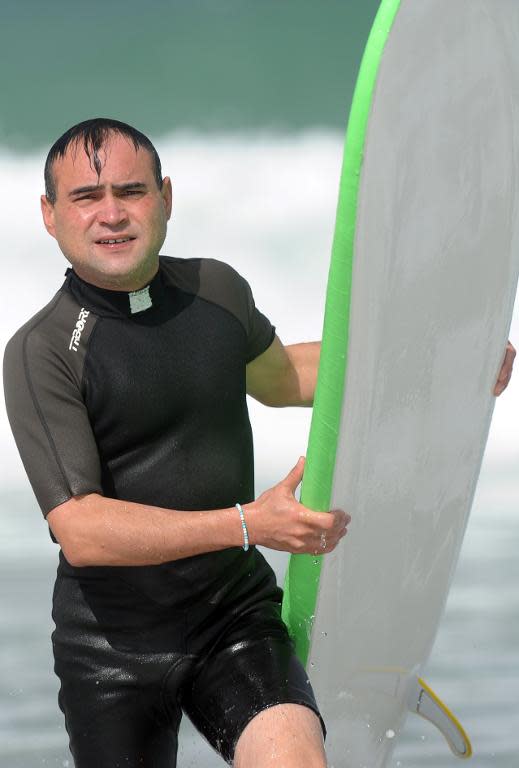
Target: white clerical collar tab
{"points": [[140, 300]]}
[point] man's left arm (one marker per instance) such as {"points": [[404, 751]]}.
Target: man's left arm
{"points": [[284, 375]]}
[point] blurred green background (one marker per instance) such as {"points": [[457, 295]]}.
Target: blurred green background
{"points": [[165, 65]]}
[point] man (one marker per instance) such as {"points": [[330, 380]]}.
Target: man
{"points": [[126, 395]]}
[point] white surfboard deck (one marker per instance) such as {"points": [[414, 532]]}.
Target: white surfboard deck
{"points": [[435, 267]]}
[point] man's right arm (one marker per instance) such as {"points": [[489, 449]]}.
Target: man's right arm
{"points": [[95, 530]]}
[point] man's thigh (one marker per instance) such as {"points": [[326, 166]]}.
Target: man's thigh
{"points": [[112, 697], [115, 733], [252, 668]]}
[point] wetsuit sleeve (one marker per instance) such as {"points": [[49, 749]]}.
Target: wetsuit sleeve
{"points": [[260, 331], [50, 424]]}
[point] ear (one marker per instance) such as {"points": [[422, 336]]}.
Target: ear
{"points": [[167, 195], [47, 211]]}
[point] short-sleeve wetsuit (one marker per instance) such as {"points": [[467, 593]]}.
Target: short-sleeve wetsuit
{"points": [[141, 397]]}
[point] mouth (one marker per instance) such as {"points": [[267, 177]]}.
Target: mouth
{"points": [[115, 242]]}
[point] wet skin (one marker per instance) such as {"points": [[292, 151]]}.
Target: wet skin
{"points": [[123, 203]]}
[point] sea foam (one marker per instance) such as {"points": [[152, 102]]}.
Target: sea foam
{"points": [[263, 203]]}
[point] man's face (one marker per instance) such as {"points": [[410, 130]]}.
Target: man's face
{"points": [[123, 204]]}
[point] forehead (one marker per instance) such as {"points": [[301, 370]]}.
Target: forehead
{"points": [[120, 162]]}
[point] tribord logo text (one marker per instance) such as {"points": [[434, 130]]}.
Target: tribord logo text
{"points": [[78, 330]]}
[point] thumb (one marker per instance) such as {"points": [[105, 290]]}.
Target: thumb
{"points": [[295, 475]]}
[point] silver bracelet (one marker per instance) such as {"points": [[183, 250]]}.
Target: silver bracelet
{"points": [[244, 528]]}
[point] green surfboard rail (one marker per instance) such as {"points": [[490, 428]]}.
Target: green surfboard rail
{"points": [[303, 574]]}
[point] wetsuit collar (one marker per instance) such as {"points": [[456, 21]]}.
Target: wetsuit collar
{"points": [[105, 302]]}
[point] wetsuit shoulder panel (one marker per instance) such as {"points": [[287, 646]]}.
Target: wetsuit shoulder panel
{"points": [[220, 284]]}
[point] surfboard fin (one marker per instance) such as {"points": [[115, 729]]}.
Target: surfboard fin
{"points": [[424, 702]]}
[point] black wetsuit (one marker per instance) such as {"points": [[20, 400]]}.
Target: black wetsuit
{"points": [[141, 397]]}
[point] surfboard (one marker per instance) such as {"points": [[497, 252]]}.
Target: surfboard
{"points": [[421, 288]]}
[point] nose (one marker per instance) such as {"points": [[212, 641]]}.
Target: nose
{"points": [[112, 211]]}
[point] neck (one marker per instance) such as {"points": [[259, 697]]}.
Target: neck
{"points": [[129, 282]]}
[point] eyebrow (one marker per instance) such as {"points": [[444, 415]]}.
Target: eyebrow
{"points": [[97, 187]]}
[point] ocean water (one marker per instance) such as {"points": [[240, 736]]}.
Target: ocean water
{"points": [[167, 65], [474, 666], [265, 203], [247, 103]]}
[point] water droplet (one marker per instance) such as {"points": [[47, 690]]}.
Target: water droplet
{"points": [[390, 734]]}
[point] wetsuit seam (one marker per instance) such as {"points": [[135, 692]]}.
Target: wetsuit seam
{"points": [[34, 397], [169, 282], [172, 668], [216, 304], [235, 317], [176, 664]]}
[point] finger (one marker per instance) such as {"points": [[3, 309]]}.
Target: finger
{"points": [[325, 521], [505, 373], [340, 518], [327, 542], [294, 477], [323, 542], [510, 357], [508, 362], [504, 378]]}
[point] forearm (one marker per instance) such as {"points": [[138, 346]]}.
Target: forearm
{"points": [[95, 530]]}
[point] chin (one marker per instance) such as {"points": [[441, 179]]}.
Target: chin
{"points": [[118, 269]]}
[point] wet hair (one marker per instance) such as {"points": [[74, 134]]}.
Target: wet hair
{"points": [[93, 135]]}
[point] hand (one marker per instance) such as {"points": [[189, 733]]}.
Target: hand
{"points": [[278, 521], [505, 373]]}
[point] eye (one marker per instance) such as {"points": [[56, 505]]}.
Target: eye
{"points": [[86, 196]]}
